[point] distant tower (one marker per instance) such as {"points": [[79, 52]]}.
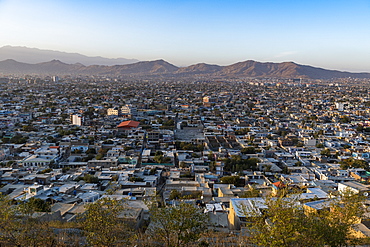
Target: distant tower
{"points": [[55, 79]]}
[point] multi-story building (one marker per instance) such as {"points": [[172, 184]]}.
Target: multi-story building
{"points": [[77, 119], [128, 110], [113, 112]]}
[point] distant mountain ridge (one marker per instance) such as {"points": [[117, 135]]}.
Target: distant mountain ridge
{"points": [[34, 55], [163, 69]]}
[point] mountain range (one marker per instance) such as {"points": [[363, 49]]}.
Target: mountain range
{"points": [[161, 68], [34, 55]]}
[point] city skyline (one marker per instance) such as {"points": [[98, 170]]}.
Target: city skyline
{"points": [[328, 34]]}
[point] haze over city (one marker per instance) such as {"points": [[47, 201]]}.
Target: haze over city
{"points": [[327, 34]]}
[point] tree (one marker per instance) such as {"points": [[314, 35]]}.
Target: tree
{"points": [[354, 163], [360, 128], [28, 128], [175, 194], [89, 179], [19, 228], [326, 152], [127, 148], [102, 225], [17, 139], [101, 153], [298, 163], [248, 150], [199, 148], [65, 169], [7, 217], [299, 144], [252, 192], [235, 180], [176, 226], [161, 159], [136, 179], [283, 227], [91, 151], [38, 205], [345, 119], [212, 166], [169, 122], [252, 163], [153, 171], [235, 163], [285, 222], [47, 170], [211, 156], [87, 158], [320, 145], [183, 164], [242, 131]]}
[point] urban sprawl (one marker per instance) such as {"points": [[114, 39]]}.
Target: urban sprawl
{"points": [[224, 147]]}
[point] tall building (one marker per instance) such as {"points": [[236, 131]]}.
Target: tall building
{"points": [[77, 119], [55, 79]]}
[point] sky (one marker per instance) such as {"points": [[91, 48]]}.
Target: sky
{"points": [[325, 33]]}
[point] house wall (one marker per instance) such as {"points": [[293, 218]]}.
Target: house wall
{"points": [[234, 222]]}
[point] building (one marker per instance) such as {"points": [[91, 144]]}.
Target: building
{"points": [[128, 110], [77, 119], [340, 106], [35, 160], [209, 99], [354, 187], [127, 126], [309, 142], [243, 210], [113, 112]]}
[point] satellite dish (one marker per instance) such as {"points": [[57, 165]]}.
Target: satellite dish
{"points": [[366, 194]]}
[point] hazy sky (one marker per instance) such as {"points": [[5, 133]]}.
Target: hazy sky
{"points": [[325, 33]]}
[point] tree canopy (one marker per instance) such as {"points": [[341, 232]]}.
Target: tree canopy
{"points": [[236, 163], [176, 226], [285, 222], [102, 224], [235, 180], [19, 228], [354, 163]]}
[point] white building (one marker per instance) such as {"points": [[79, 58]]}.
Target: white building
{"points": [[113, 112], [309, 142], [34, 160], [76, 119], [354, 187], [128, 110], [340, 106]]}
